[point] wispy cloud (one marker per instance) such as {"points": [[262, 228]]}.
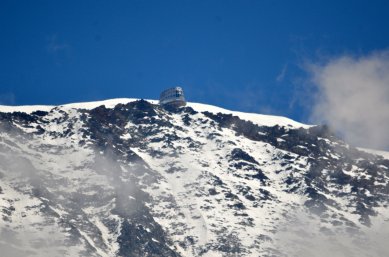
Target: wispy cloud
{"points": [[301, 234], [54, 45], [280, 77], [353, 97], [7, 99]]}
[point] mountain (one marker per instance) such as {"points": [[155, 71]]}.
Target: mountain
{"points": [[126, 177]]}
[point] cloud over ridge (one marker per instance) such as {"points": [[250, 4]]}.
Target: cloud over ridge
{"points": [[353, 97]]}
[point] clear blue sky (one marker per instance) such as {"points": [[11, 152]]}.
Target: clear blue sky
{"points": [[241, 55]]}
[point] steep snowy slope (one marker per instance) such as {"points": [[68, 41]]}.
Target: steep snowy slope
{"points": [[124, 177]]}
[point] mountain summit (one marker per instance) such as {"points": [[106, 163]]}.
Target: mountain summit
{"points": [[126, 177]]}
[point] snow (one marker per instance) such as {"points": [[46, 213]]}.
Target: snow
{"points": [[83, 105], [260, 119], [25, 108]]}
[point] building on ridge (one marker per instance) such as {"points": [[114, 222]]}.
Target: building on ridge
{"points": [[173, 97]]}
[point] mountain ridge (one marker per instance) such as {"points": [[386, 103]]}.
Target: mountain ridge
{"points": [[267, 120], [134, 179]]}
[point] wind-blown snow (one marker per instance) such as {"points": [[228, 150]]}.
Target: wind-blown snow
{"points": [[384, 154]]}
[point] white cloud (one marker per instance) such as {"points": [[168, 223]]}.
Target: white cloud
{"points": [[353, 98]]}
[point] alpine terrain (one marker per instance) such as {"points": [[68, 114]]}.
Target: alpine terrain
{"points": [[127, 177]]}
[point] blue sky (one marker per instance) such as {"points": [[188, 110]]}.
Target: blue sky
{"points": [[242, 55]]}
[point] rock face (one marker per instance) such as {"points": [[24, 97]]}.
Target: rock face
{"points": [[140, 180]]}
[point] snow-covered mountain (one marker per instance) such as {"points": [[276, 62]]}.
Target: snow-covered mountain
{"points": [[126, 177]]}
